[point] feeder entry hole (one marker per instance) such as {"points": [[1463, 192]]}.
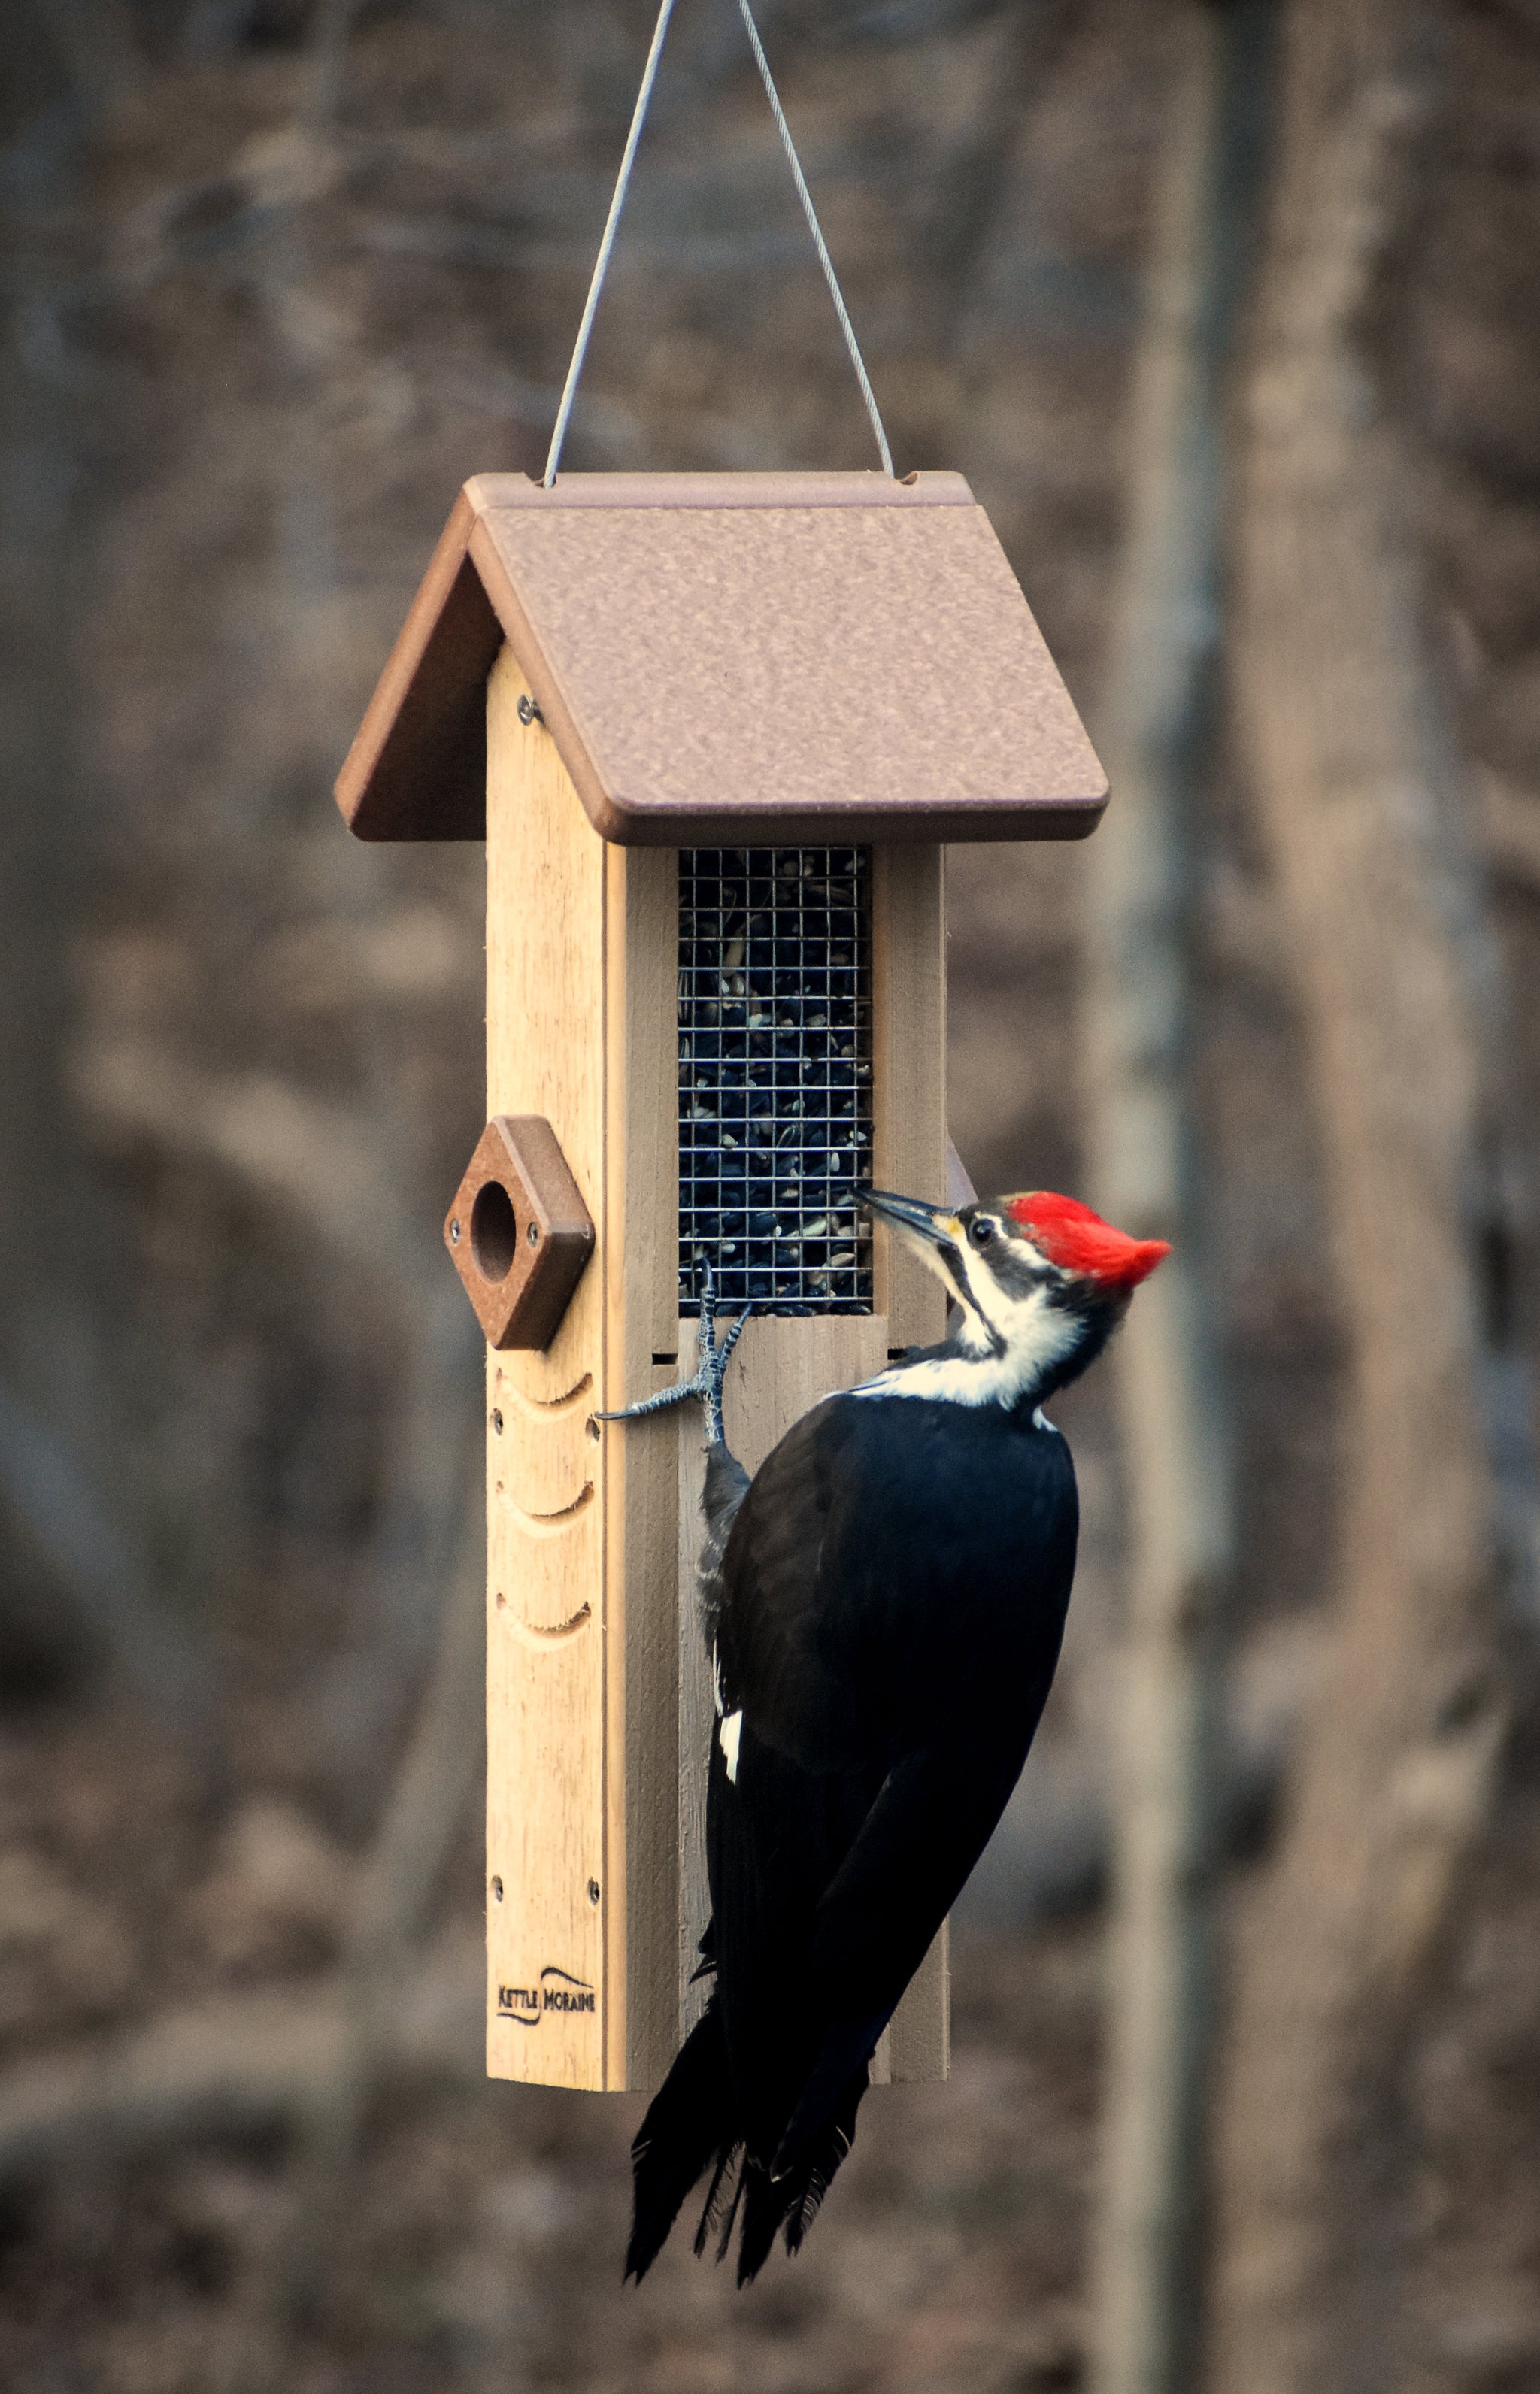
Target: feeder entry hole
{"points": [[493, 1232]]}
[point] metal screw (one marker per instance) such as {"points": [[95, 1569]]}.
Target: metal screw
{"points": [[455, 1234], [529, 710], [532, 1234], [497, 1890], [497, 1421], [593, 1891]]}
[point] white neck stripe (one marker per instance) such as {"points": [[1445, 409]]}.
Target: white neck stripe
{"points": [[986, 1379]]}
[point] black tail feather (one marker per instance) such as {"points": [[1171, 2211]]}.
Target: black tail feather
{"points": [[717, 2200], [786, 2204], [691, 2126], [840, 2137], [728, 2215], [844, 2061], [765, 2206], [688, 2120]]}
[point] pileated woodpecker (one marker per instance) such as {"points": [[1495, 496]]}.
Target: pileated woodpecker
{"points": [[884, 1606]]}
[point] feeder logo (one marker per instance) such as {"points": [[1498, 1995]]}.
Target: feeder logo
{"points": [[557, 1991]]}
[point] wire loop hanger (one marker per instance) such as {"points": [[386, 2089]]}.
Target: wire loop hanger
{"points": [[623, 181]]}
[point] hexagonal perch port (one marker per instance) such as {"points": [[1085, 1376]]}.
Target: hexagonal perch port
{"points": [[519, 1231]]}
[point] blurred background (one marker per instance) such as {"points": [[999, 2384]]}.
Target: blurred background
{"points": [[1231, 316]]}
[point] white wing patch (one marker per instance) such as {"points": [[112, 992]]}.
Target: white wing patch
{"points": [[728, 1731]]}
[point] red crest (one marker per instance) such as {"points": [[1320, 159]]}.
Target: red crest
{"points": [[1079, 1241]]}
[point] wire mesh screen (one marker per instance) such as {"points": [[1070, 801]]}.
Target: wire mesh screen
{"points": [[775, 1076]]}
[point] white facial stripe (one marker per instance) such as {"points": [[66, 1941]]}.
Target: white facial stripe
{"points": [[983, 1291], [1038, 1336], [1008, 1342], [974, 1336], [728, 1731]]}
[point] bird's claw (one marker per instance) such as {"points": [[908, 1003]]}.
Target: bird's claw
{"points": [[705, 1382]]}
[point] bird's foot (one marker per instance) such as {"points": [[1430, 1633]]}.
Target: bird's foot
{"points": [[705, 1383]]}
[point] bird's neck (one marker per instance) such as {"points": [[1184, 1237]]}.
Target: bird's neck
{"points": [[1019, 1376], [954, 1373]]}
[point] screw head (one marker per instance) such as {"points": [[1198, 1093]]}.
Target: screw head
{"points": [[532, 1234], [497, 1421], [455, 1234], [593, 1891]]}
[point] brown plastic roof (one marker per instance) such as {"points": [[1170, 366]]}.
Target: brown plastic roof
{"points": [[723, 658]]}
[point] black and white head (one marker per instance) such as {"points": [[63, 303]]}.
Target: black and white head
{"points": [[1042, 1282]]}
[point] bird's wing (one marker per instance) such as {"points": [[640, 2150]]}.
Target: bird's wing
{"points": [[892, 1618], [895, 1566], [905, 1868]]}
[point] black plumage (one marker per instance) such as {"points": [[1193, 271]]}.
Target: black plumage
{"points": [[886, 1714], [884, 1605]]}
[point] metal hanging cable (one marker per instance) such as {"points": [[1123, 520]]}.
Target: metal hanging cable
{"points": [[623, 181], [818, 242], [602, 263]]}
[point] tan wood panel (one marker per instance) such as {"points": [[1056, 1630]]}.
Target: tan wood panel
{"points": [[909, 1083], [641, 1249], [550, 1987], [909, 1072]]}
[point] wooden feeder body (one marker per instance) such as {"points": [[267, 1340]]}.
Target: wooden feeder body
{"points": [[618, 679]]}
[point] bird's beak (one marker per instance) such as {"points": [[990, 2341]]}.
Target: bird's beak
{"points": [[934, 1226], [933, 1230]]}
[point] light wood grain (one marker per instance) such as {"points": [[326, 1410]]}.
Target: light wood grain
{"points": [[581, 1711], [909, 1072], [546, 1476], [641, 1250], [910, 1154]]}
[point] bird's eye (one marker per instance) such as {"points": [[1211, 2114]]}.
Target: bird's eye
{"points": [[980, 1229]]}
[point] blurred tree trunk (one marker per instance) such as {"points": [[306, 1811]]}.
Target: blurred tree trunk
{"points": [[70, 1582], [1154, 729], [1338, 732]]}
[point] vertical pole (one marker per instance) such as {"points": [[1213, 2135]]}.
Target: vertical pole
{"points": [[1349, 765], [1154, 719]]}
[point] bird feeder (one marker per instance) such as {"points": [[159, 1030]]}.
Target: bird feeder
{"points": [[713, 729]]}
